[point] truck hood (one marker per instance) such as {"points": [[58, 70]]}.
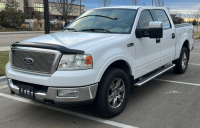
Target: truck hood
{"points": [[73, 40]]}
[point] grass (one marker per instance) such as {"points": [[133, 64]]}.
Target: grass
{"points": [[9, 30], [197, 34], [4, 58]]}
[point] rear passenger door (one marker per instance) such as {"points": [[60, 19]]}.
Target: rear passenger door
{"points": [[168, 41]]}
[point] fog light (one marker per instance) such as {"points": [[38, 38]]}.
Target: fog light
{"points": [[67, 93]]}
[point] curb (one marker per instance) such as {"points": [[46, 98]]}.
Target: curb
{"points": [[3, 80]]}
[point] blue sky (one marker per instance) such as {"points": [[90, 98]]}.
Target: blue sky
{"points": [[175, 5]]}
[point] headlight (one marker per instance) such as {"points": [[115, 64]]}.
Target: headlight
{"points": [[75, 62]]}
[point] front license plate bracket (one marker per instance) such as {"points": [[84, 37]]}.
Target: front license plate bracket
{"points": [[26, 91]]}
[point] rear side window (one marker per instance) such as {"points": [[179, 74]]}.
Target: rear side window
{"points": [[161, 15], [145, 18]]}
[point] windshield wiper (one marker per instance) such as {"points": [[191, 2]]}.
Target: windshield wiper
{"points": [[97, 29], [71, 29], [99, 16]]}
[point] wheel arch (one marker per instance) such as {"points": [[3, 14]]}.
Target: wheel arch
{"points": [[116, 63], [186, 44]]}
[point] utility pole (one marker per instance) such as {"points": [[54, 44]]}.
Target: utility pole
{"points": [[144, 4], [80, 7], [152, 2], [46, 16]]}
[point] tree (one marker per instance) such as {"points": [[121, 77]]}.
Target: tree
{"points": [[104, 3], [11, 16], [194, 22], [65, 7], [159, 3], [132, 2]]}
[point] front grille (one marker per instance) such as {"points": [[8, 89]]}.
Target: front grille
{"points": [[43, 61]]}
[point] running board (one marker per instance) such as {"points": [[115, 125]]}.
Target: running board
{"points": [[143, 81]]}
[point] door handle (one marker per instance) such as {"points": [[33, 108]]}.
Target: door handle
{"points": [[157, 40], [173, 35], [130, 44]]}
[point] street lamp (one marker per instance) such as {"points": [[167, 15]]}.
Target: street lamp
{"points": [[46, 16]]}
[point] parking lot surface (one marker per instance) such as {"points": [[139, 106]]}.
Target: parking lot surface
{"points": [[8, 39], [169, 101]]}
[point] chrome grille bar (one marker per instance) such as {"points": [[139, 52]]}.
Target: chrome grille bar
{"points": [[45, 61]]}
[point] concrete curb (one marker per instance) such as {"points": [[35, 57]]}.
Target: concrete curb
{"points": [[5, 48], [25, 32], [3, 77], [3, 80]]}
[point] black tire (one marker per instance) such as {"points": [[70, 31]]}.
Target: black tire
{"points": [[179, 69], [101, 105]]}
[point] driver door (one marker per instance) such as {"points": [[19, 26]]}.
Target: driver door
{"points": [[147, 50]]}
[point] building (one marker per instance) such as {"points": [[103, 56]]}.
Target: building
{"points": [[34, 9]]}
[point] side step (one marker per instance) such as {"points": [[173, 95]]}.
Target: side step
{"points": [[143, 81]]}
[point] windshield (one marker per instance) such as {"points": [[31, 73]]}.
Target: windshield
{"points": [[104, 21]]}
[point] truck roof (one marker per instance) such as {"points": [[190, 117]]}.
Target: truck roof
{"points": [[133, 7]]}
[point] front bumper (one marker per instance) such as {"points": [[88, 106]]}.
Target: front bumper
{"points": [[85, 94]]}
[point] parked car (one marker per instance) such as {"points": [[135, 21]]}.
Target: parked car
{"points": [[53, 21], [69, 21], [27, 21], [100, 57]]}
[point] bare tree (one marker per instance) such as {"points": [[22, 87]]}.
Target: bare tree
{"points": [[132, 2], [104, 3], [65, 7], [168, 8], [159, 3]]}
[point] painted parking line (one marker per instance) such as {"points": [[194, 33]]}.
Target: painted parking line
{"points": [[193, 64], [194, 53], [178, 82], [112, 123]]}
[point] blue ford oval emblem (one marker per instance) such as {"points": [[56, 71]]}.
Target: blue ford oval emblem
{"points": [[28, 60]]}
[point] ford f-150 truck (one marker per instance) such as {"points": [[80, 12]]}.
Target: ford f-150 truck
{"points": [[100, 57]]}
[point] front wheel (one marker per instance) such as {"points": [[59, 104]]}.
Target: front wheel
{"points": [[112, 94], [182, 62]]}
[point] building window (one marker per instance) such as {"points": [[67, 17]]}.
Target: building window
{"points": [[53, 9], [75, 10], [25, 3], [38, 7], [2, 5], [81, 11]]}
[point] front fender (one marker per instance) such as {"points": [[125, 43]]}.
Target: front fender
{"points": [[109, 62]]}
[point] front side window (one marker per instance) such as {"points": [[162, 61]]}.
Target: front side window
{"points": [[161, 15], [105, 21], [145, 18]]}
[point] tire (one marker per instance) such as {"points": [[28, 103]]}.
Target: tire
{"points": [[184, 57], [101, 105]]}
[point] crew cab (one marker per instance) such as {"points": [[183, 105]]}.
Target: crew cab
{"points": [[100, 57]]}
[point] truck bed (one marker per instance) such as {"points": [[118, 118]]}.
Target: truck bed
{"points": [[182, 25]]}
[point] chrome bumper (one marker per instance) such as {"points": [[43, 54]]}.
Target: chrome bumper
{"points": [[87, 93]]}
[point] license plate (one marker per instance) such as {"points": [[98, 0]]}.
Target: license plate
{"points": [[26, 91]]}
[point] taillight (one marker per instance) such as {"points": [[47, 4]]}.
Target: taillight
{"points": [[193, 34]]}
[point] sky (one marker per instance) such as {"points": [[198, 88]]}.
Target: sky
{"points": [[182, 6]]}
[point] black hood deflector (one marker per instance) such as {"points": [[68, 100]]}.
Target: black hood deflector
{"points": [[60, 48]]}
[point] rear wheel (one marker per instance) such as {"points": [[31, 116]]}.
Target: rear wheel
{"points": [[182, 62], [113, 92]]}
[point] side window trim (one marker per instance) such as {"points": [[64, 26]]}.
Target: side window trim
{"points": [[166, 15], [153, 14], [141, 13]]}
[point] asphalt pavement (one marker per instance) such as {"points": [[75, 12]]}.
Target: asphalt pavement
{"points": [[169, 101], [10, 38]]}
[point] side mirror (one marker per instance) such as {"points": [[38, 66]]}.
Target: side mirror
{"points": [[155, 30]]}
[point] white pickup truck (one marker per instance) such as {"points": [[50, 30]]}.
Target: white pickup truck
{"points": [[100, 57]]}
